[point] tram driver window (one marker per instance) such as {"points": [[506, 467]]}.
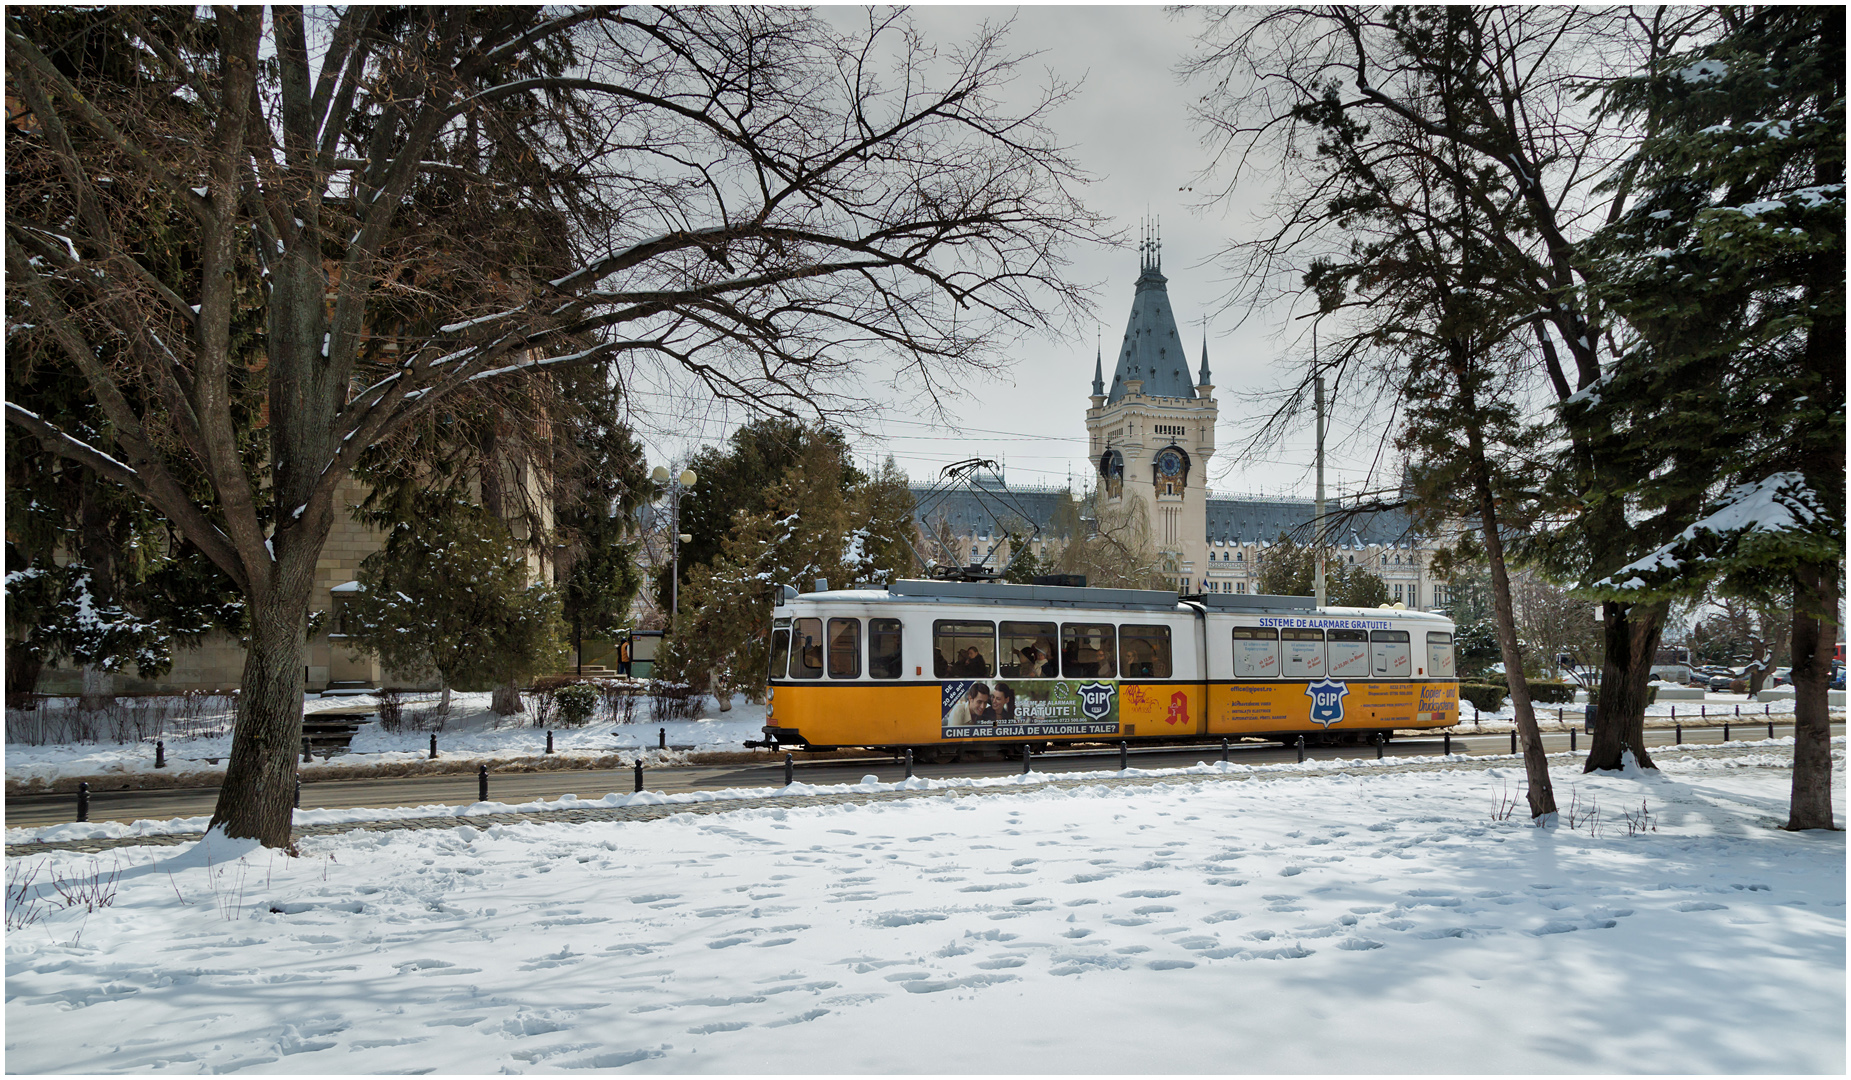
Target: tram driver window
{"points": [[807, 649], [845, 648], [1028, 650], [1256, 652], [1144, 651], [884, 648], [963, 650], [780, 651], [1087, 650]]}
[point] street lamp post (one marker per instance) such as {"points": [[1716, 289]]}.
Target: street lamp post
{"points": [[1319, 588], [677, 487]]}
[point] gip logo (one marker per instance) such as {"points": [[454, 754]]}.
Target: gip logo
{"points": [[1326, 700]]}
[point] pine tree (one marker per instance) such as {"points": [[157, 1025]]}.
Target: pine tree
{"points": [[1288, 568], [449, 595], [1730, 399]]}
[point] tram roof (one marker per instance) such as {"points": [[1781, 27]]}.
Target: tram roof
{"points": [[1064, 596]]}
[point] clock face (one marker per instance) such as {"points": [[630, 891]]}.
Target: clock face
{"points": [[1170, 464]]}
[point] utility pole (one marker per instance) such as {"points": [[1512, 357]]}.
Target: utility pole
{"points": [[1317, 536]]}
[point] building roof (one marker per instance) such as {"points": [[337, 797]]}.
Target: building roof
{"points": [[1251, 521], [1229, 520], [1152, 351]]}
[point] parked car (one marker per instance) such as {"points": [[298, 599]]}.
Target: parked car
{"points": [[1838, 677], [1719, 680], [1783, 676]]}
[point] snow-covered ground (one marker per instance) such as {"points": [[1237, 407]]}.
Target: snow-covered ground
{"points": [[472, 734], [1290, 922]]}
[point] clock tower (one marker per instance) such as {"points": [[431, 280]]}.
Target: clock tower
{"points": [[1152, 432]]}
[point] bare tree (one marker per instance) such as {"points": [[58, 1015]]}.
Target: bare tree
{"points": [[746, 196], [1494, 101]]}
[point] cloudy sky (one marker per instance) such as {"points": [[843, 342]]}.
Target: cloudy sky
{"points": [[1129, 125]]}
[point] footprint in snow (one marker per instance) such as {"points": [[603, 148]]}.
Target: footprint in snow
{"points": [[1699, 905]]}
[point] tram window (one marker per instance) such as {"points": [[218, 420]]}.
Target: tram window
{"points": [[963, 650], [1256, 652], [807, 645], [1440, 656], [1087, 650], [1304, 653], [780, 651], [884, 648], [1392, 654], [1144, 652], [845, 648], [1349, 654], [1028, 650]]}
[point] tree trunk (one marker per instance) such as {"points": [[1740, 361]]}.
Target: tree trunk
{"points": [[1815, 633], [1632, 632], [1535, 758], [256, 799], [506, 700], [99, 689], [1761, 662]]}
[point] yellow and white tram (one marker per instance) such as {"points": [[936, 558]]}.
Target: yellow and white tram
{"points": [[944, 664]]}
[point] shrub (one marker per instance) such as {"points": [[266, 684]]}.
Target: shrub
{"points": [[672, 700], [1651, 694], [619, 701], [1487, 696], [391, 710], [1551, 693], [576, 704]]}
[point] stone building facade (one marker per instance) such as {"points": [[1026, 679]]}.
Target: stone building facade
{"points": [[1151, 436]]}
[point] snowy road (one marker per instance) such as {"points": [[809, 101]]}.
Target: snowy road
{"points": [[454, 789], [1372, 923]]}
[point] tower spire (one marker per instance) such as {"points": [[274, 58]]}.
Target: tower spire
{"points": [[1201, 377]]}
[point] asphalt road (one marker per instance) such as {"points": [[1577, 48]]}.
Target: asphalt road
{"points": [[30, 810]]}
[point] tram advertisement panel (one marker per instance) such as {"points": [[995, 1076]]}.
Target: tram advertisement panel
{"points": [[1329, 703], [991, 708]]}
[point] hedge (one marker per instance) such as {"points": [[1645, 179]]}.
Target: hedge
{"points": [[1487, 696]]}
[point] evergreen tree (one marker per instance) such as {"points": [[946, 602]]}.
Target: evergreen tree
{"points": [[1730, 396], [813, 525], [1289, 569], [449, 595]]}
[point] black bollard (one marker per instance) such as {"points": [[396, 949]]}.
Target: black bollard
{"points": [[1571, 740], [1448, 751], [1474, 715], [1124, 751], [639, 774], [549, 742], [1725, 731], [83, 802], [1224, 751], [1301, 749], [1027, 753], [433, 746], [306, 756], [909, 763], [1770, 729], [481, 783], [1381, 745], [661, 738], [1513, 740], [298, 791], [790, 770], [160, 754]]}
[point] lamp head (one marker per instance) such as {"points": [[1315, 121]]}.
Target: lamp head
{"points": [[688, 478], [659, 475]]}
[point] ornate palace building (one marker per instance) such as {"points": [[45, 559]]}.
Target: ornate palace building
{"points": [[1151, 436]]}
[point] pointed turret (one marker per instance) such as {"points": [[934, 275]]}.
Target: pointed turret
{"points": [[1152, 355], [1203, 384], [1098, 378]]}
